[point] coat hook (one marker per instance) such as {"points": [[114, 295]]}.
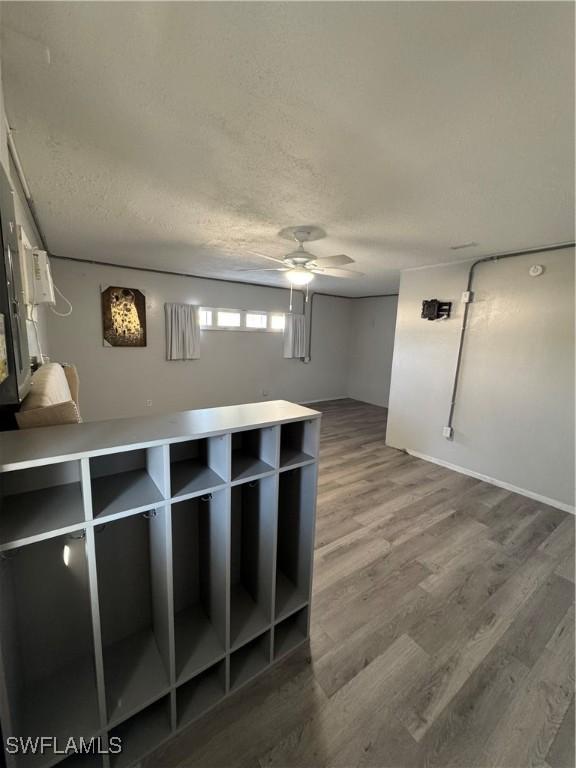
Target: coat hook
{"points": [[207, 497], [150, 514]]}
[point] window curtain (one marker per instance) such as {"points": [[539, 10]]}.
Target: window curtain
{"points": [[182, 332], [295, 336]]}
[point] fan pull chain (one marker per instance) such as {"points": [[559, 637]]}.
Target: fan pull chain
{"points": [[290, 297]]}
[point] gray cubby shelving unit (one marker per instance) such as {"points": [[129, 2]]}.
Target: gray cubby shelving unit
{"points": [[148, 569]]}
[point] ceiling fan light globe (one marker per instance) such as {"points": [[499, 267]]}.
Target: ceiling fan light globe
{"points": [[299, 276]]}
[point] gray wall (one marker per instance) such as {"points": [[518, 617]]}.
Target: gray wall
{"points": [[514, 418], [234, 367], [373, 321]]}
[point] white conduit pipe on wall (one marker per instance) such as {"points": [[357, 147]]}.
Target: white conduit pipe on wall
{"points": [[495, 257]]}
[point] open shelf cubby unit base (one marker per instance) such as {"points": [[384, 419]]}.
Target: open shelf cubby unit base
{"points": [[145, 579]]}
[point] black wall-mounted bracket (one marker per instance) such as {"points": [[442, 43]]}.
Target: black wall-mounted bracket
{"points": [[434, 309]]}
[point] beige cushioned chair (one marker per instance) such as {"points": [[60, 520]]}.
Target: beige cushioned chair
{"points": [[53, 398]]}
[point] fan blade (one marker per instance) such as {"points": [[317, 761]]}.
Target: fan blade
{"points": [[334, 261], [338, 273], [270, 258], [262, 269]]}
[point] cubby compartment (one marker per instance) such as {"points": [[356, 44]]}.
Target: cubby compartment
{"points": [[253, 516], [141, 733], [47, 643], [131, 557], [290, 633], [85, 759], [296, 512], [249, 660], [253, 452], [126, 481], [200, 693], [298, 442], [38, 502], [198, 465], [199, 562]]}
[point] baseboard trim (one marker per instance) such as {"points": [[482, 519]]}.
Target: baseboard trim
{"points": [[501, 484], [324, 400]]}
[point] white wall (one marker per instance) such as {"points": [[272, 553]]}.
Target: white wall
{"points": [[373, 322], [514, 418], [234, 367]]}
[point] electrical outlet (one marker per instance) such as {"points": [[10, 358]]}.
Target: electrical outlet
{"points": [[448, 433], [148, 403], [265, 393]]}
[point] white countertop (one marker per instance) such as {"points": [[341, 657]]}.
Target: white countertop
{"points": [[48, 445]]}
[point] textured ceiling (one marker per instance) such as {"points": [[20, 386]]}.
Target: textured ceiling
{"points": [[181, 136]]}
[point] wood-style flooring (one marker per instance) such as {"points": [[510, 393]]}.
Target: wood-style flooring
{"points": [[442, 626]]}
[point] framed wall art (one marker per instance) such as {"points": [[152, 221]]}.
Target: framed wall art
{"points": [[123, 317]]}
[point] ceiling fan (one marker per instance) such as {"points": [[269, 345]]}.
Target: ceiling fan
{"points": [[300, 266]]}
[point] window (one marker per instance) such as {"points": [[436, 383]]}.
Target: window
{"points": [[277, 322], [256, 320], [215, 319], [228, 318], [205, 318]]}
